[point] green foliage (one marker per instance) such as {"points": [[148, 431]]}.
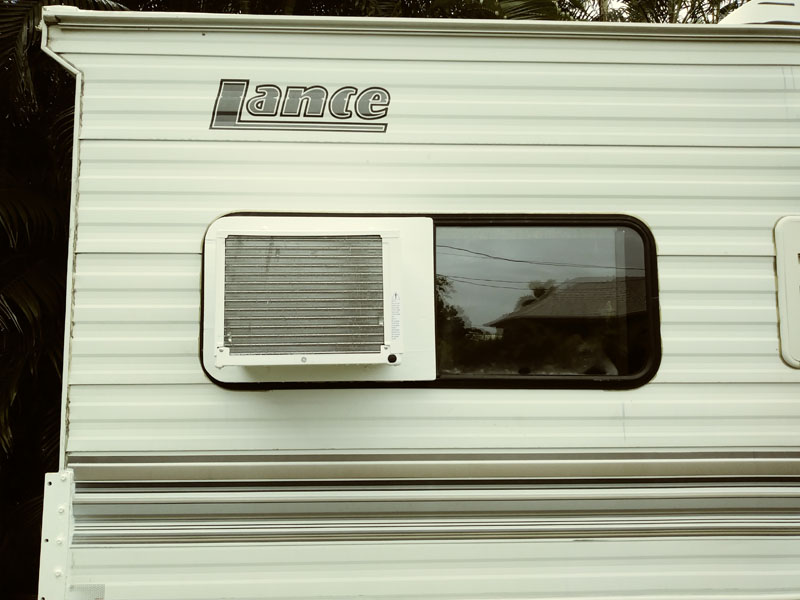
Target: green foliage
{"points": [[678, 11], [18, 36], [532, 9], [640, 11]]}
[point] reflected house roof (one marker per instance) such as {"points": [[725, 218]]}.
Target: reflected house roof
{"points": [[582, 298]]}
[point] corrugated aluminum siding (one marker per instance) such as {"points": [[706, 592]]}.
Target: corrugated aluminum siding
{"points": [[737, 569], [698, 138]]}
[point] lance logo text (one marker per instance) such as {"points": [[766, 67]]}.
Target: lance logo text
{"points": [[299, 108]]}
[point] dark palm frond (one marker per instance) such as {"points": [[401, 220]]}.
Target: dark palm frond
{"points": [[21, 484], [383, 8], [678, 11], [31, 299], [32, 241], [579, 10], [60, 137], [262, 7], [18, 35], [20, 525], [651, 11], [464, 9], [27, 218], [532, 9]]}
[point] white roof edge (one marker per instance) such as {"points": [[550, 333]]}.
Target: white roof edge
{"points": [[68, 16]]}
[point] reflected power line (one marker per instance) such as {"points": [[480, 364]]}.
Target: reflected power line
{"points": [[504, 287], [531, 262]]}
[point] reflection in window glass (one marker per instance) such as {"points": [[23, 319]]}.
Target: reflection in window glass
{"points": [[541, 300]]}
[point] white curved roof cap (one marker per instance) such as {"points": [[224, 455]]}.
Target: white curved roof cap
{"points": [[765, 11]]}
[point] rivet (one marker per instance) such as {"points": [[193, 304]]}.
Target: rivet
{"points": [[59, 540], [58, 573], [63, 477], [61, 510]]}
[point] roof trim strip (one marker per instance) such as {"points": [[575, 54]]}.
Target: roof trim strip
{"points": [[71, 17]]}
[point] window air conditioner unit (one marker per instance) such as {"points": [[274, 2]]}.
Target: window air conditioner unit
{"points": [[284, 294]]}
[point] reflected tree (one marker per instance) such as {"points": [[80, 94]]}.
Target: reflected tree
{"points": [[539, 289], [460, 347], [553, 330]]}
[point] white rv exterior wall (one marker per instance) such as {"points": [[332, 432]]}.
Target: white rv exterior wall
{"points": [[694, 132]]}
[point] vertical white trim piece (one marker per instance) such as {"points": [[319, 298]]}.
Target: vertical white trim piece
{"points": [[59, 489], [62, 460], [787, 266]]}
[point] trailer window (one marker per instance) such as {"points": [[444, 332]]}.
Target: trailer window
{"points": [[554, 302]]}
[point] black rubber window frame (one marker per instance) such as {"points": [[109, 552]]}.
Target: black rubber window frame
{"points": [[577, 381], [532, 382]]}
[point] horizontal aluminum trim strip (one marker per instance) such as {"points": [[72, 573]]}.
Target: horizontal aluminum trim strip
{"points": [[754, 452], [148, 514], [199, 499], [202, 492], [429, 529], [69, 17], [485, 468]]}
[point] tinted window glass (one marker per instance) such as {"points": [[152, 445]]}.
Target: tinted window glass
{"points": [[549, 301]]}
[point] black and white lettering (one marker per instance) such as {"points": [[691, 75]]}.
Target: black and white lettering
{"points": [[299, 108]]}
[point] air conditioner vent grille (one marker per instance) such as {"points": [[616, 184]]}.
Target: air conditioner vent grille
{"points": [[303, 294]]}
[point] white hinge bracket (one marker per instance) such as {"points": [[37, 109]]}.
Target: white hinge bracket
{"points": [[59, 490]]}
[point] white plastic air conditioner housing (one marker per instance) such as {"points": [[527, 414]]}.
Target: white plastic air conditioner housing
{"points": [[296, 299]]}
